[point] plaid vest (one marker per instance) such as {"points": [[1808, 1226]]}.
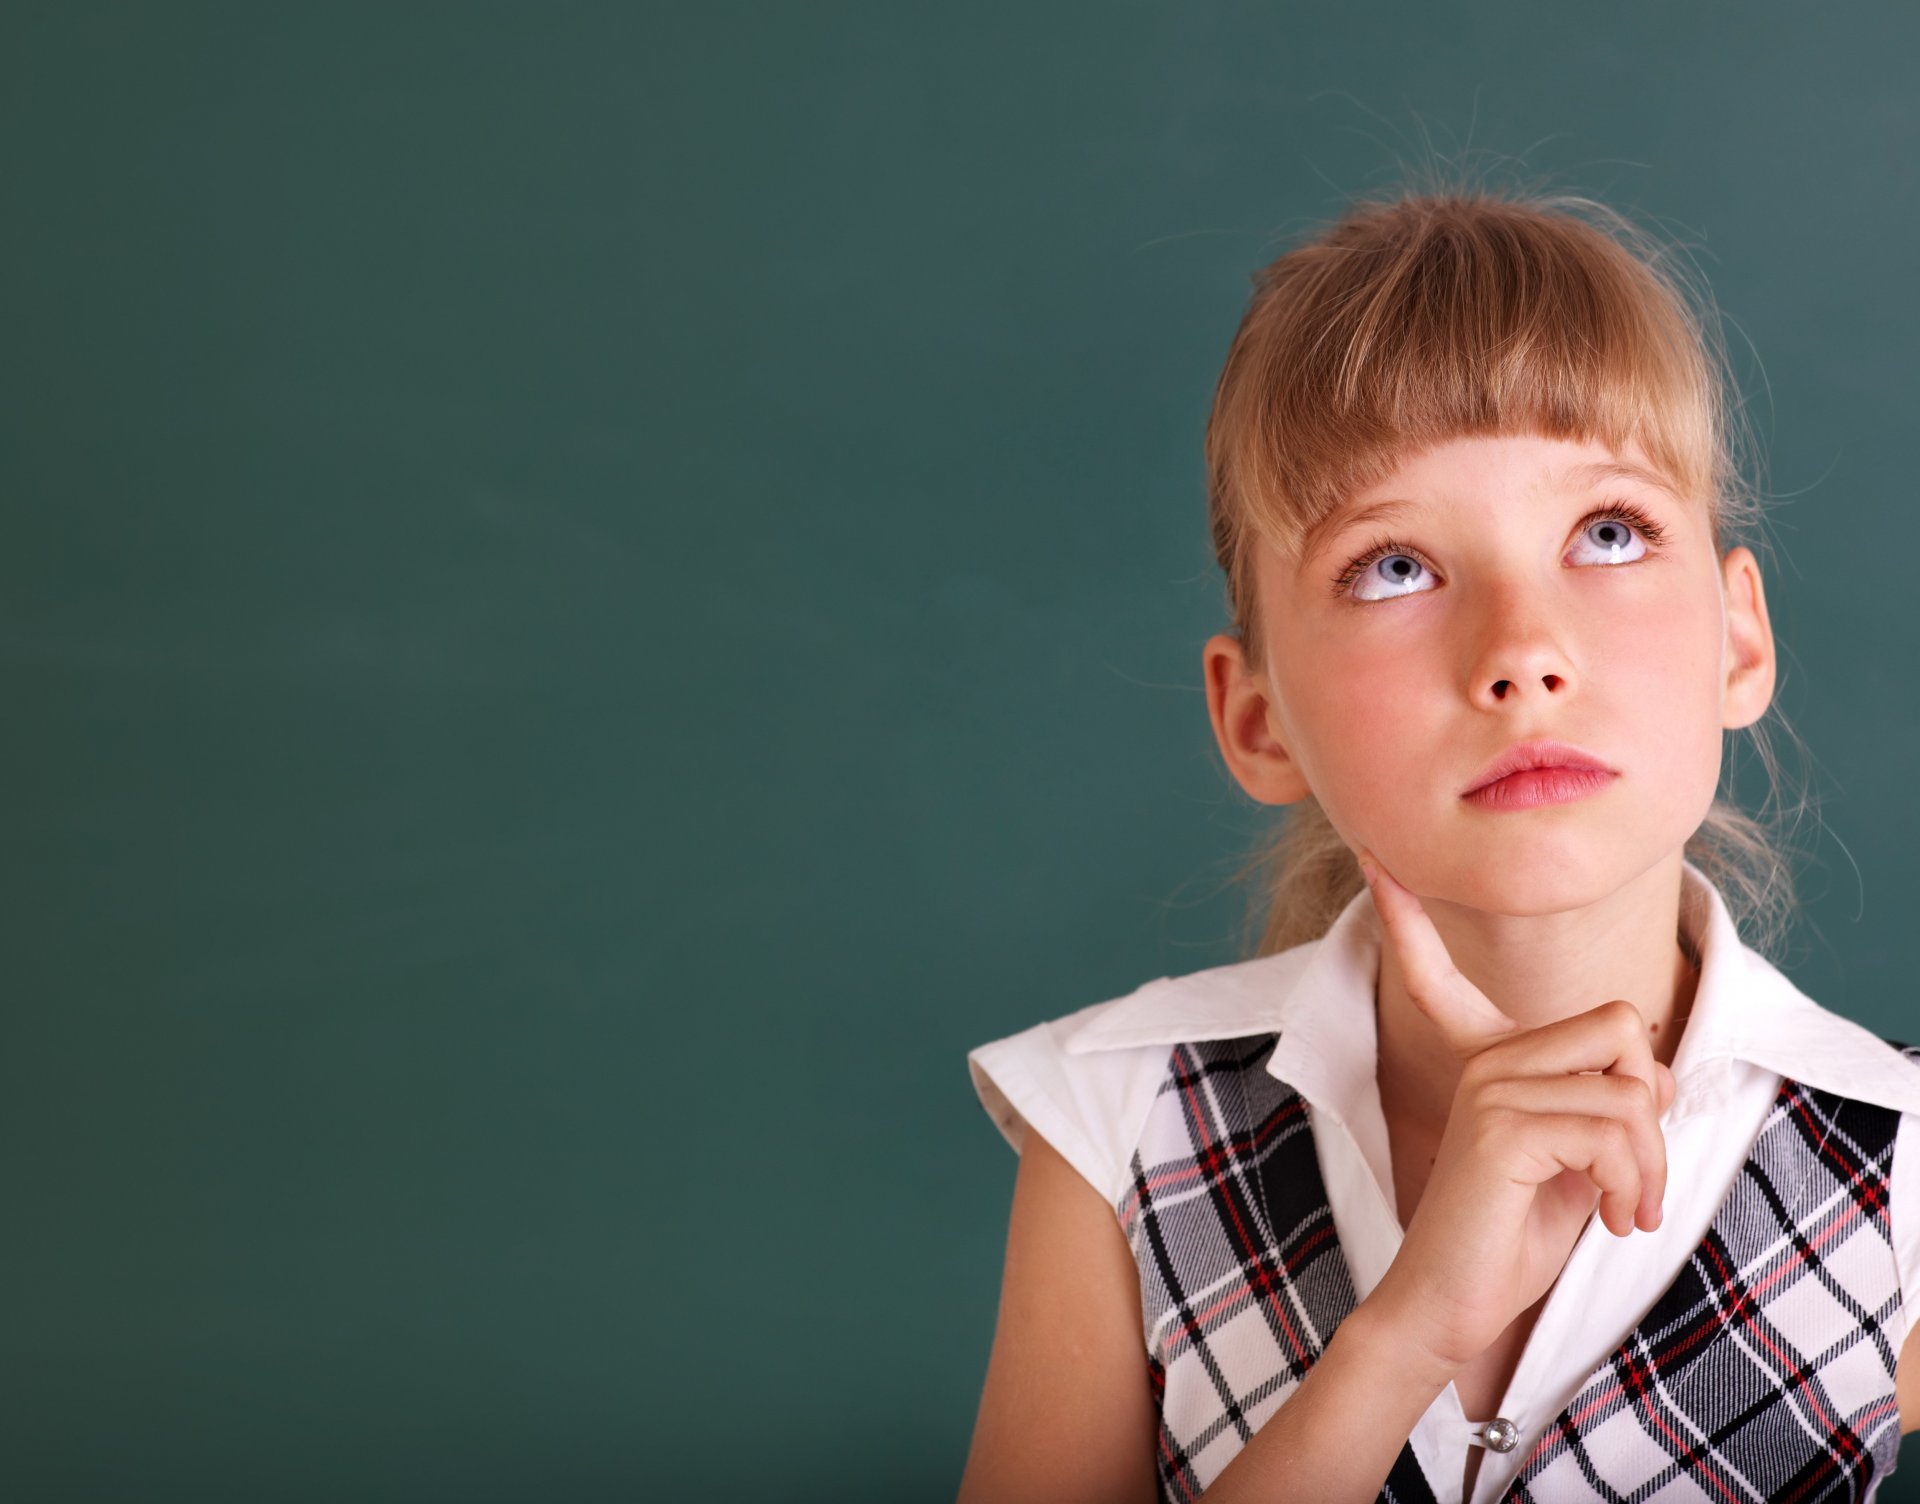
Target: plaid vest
{"points": [[1765, 1371]]}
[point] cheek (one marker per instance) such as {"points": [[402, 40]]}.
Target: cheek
{"points": [[1660, 663], [1655, 676], [1368, 722]]}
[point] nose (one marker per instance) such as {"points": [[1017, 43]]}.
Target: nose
{"points": [[1519, 659]]}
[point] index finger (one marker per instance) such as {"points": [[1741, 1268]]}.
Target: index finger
{"points": [[1464, 1014]]}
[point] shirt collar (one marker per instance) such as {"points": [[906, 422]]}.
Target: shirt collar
{"points": [[1746, 1010], [1319, 997]]}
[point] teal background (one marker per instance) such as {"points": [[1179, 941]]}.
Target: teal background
{"points": [[591, 595]]}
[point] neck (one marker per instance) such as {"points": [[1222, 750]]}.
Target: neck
{"points": [[1538, 969]]}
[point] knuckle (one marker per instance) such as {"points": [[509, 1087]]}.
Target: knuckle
{"points": [[1614, 1138], [1479, 1073], [1623, 1016], [1501, 1091]]}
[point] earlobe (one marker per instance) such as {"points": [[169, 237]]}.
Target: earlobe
{"points": [[1239, 703], [1750, 667]]}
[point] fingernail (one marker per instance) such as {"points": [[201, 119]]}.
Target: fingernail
{"points": [[1366, 869]]}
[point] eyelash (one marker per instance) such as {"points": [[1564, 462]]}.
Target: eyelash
{"points": [[1622, 511]]}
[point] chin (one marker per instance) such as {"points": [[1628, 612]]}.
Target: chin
{"points": [[1520, 898], [1526, 880]]}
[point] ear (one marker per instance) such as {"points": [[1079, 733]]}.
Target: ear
{"points": [[1246, 725], [1749, 655]]}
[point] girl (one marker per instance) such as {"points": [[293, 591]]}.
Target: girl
{"points": [[1321, 1224]]}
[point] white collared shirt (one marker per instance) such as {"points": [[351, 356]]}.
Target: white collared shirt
{"points": [[1087, 1079]]}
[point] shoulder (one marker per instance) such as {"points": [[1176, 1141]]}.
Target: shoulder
{"points": [[1086, 1080], [1785, 1030], [1088, 1103]]}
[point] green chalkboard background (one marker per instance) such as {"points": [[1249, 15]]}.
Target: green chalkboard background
{"points": [[591, 594]]}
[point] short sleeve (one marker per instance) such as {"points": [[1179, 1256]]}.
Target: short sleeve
{"points": [[1090, 1106]]}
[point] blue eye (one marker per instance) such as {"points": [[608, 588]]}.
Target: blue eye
{"points": [[1392, 573], [1611, 535], [1617, 534]]}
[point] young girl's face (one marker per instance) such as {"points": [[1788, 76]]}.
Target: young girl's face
{"points": [[1508, 589]]}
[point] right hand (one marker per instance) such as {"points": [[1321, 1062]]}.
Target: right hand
{"points": [[1529, 1147]]}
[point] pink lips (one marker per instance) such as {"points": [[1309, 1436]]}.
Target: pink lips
{"points": [[1538, 773]]}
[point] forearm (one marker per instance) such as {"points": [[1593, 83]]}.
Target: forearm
{"points": [[1337, 1436]]}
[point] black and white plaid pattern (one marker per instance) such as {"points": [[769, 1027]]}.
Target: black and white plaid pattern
{"points": [[1765, 1371]]}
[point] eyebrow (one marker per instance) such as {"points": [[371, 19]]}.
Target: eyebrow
{"points": [[1338, 521], [1584, 477], [1574, 478]]}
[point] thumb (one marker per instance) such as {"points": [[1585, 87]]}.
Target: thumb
{"points": [[1464, 1014]]}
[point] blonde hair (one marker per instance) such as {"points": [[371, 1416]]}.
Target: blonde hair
{"points": [[1428, 315]]}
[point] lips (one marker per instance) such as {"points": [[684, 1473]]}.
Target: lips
{"points": [[1528, 756]]}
